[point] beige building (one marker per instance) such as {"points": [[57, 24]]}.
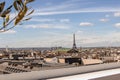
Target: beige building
{"points": [[91, 61]]}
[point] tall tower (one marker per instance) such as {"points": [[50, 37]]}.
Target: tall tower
{"points": [[74, 44], [74, 48]]}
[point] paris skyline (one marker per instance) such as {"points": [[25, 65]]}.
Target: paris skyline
{"points": [[95, 23]]}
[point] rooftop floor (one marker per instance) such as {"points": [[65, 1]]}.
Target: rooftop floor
{"points": [[113, 74]]}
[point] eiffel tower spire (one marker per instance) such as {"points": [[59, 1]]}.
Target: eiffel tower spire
{"points": [[74, 48], [74, 43]]}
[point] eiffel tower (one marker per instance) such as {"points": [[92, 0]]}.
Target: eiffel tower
{"points": [[74, 48], [74, 44]]}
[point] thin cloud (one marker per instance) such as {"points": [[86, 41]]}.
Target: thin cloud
{"points": [[9, 32], [65, 20], [50, 20], [104, 20], [75, 6], [117, 25], [117, 14], [73, 11], [47, 26], [43, 20], [79, 32], [86, 24]]}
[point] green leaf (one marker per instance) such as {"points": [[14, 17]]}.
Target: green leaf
{"points": [[31, 0], [2, 6], [7, 18], [15, 5], [19, 2], [10, 7], [28, 1], [21, 15], [7, 11], [4, 24]]}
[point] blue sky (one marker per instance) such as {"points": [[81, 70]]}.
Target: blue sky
{"points": [[95, 22]]}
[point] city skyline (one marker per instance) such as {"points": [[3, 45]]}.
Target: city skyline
{"points": [[95, 23]]}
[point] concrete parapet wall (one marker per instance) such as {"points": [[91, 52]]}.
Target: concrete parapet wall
{"points": [[37, 75]]}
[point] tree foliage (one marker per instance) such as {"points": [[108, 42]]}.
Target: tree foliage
{"points": [[22, 10]]}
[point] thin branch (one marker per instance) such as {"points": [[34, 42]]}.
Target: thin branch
{"points": [[6, 29], [1, 28]]}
